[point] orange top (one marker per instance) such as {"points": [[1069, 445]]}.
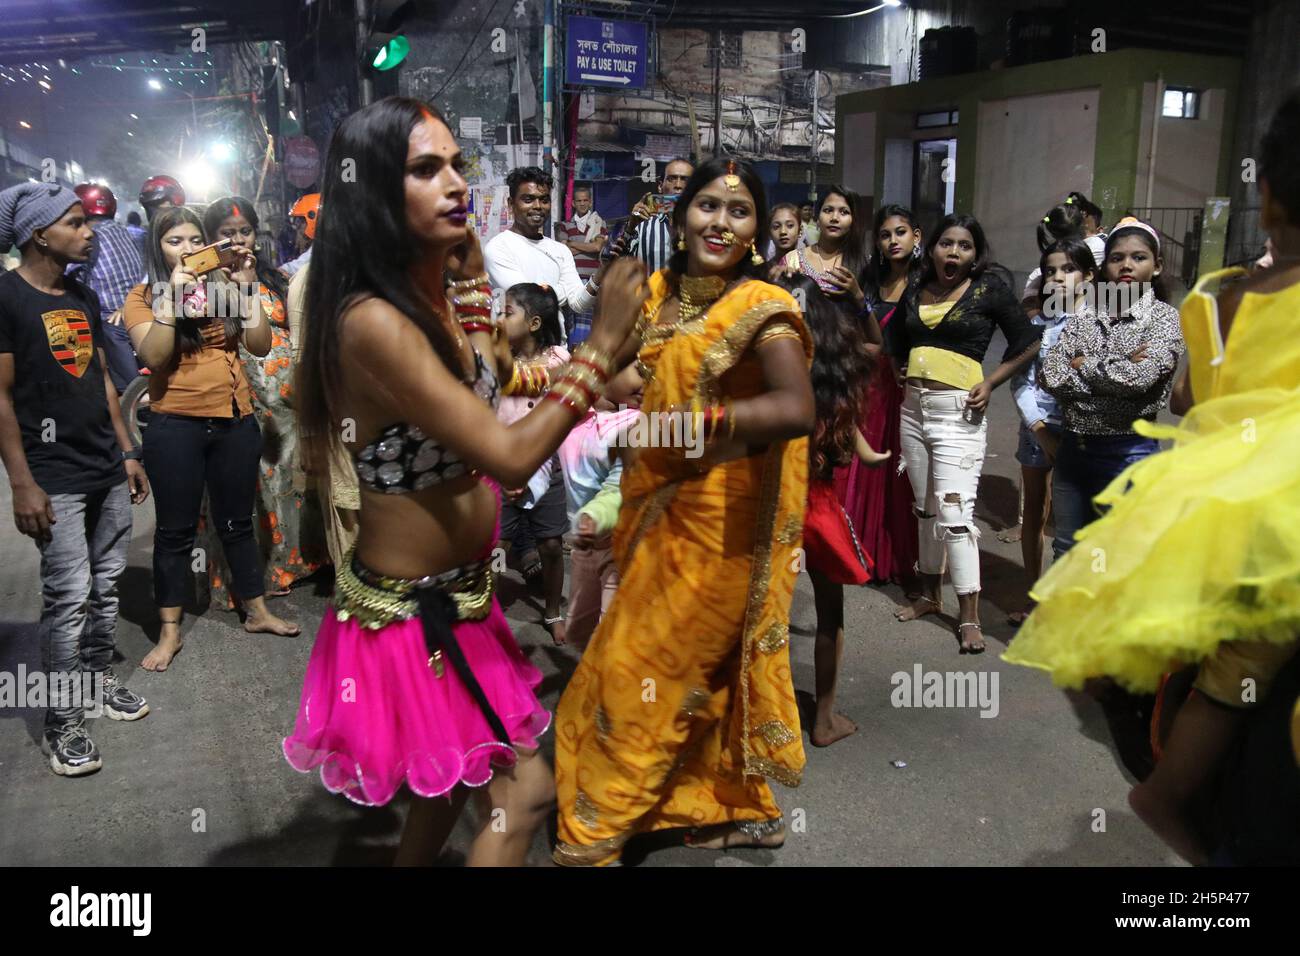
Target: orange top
{"points": [[201, 383]]}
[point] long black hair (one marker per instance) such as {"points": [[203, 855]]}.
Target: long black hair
{"points": [[841, 373], [189, 335], [853, 254], [221, 210], [705, 174], [362, 248], [541, 301], [961, 221], [877, 271]]}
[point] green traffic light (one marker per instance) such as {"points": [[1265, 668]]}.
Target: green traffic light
{"points": [[392, 53]]}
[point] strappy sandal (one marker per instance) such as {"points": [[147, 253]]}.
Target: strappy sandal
{"points": [[971, 647], [748, 834], [549, 623]]}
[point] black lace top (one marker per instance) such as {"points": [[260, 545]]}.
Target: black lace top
{"points": [[968, 327]]}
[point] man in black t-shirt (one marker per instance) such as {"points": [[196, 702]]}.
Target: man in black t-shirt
{"points": [[61, 439]]}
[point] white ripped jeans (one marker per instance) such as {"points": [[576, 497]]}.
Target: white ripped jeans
{"points": [[943, 451]]}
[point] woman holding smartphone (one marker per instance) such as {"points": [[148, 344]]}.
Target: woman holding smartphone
{"points": [[202, 433]]}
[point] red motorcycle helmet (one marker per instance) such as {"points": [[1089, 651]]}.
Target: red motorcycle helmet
{"points": [[97, 200], [158, 189]]}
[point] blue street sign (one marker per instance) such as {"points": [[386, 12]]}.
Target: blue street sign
{"points": [[609, 53]]}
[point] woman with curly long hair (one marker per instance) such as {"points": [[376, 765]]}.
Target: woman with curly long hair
{"points": [[841, 374]]}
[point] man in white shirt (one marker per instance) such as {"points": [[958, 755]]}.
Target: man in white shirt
{"points": [[523, 254]]}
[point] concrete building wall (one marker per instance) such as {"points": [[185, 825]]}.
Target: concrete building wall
{"points": [[1118, 79], [859, 134], [1186, 153], [1032, 151]]}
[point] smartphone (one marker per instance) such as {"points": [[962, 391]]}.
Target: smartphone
{"points": [[222, 254]]}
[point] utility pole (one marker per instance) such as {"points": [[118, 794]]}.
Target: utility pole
{"points": [[365, 87], [816, 136], [717, 92]]}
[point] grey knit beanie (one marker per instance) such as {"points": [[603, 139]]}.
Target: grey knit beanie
{"points": [[30, 206]]}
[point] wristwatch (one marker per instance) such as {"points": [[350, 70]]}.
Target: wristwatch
{"points": [[133, 455]]}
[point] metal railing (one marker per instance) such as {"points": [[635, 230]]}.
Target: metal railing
{"points": [[1180, 237]]}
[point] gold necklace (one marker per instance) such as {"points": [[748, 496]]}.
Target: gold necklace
{"points": [[695, 294]]}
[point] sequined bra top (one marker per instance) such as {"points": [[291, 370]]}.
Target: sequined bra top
{"points": [[402, 459]]}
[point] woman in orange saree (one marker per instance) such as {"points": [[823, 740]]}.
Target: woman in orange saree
{"points": [[683, 706]]}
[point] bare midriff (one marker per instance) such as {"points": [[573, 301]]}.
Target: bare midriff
{"points": [[426, 532]]}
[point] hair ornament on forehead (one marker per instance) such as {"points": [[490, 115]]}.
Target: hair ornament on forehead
{"points": [[731, 180], [1132, 222]]}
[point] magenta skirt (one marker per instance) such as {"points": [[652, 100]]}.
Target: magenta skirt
{"points": [[374, 715]]}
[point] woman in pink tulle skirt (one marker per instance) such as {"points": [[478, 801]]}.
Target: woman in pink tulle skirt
{"points": [[879, 500], [415, 677]]}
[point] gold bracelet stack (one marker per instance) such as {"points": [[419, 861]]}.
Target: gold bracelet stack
{"points": [[582, 380]]}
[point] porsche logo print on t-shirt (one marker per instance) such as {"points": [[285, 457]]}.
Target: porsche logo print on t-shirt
{"points": [[70, 339]]}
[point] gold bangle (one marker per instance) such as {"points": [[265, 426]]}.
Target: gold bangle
{"points": [[583, 373], [594, 358], [465, 285], [512, 383]]}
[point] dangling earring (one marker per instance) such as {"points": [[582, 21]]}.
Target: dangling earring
{"points": [[754, 257], [916, 251], [681, 241]]}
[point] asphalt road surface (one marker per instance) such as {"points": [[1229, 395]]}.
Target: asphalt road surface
{"points": [[1040, 783]]}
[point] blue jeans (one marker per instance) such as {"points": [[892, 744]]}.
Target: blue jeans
{"points": [[80, 566], [1085, 465], [123, 366]]}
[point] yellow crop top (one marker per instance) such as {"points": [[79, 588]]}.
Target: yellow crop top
{"points": [[941, 365]]}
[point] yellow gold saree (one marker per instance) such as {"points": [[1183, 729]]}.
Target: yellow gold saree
{"points": [[683, 703]]}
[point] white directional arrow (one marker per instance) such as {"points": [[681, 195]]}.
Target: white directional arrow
{"points": [[606, 79]]}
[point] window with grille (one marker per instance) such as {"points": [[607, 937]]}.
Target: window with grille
{"points": [[729, 48]]}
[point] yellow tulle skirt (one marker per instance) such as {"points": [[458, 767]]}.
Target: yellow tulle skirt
{"points": [[1200, 545]]}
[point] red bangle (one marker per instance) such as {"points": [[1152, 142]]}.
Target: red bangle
{"points": [[601, 373], [567, 402], [476, 327], [578, 383]]}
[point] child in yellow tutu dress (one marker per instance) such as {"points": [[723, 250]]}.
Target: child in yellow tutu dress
{"points": [[1197, 560]]}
